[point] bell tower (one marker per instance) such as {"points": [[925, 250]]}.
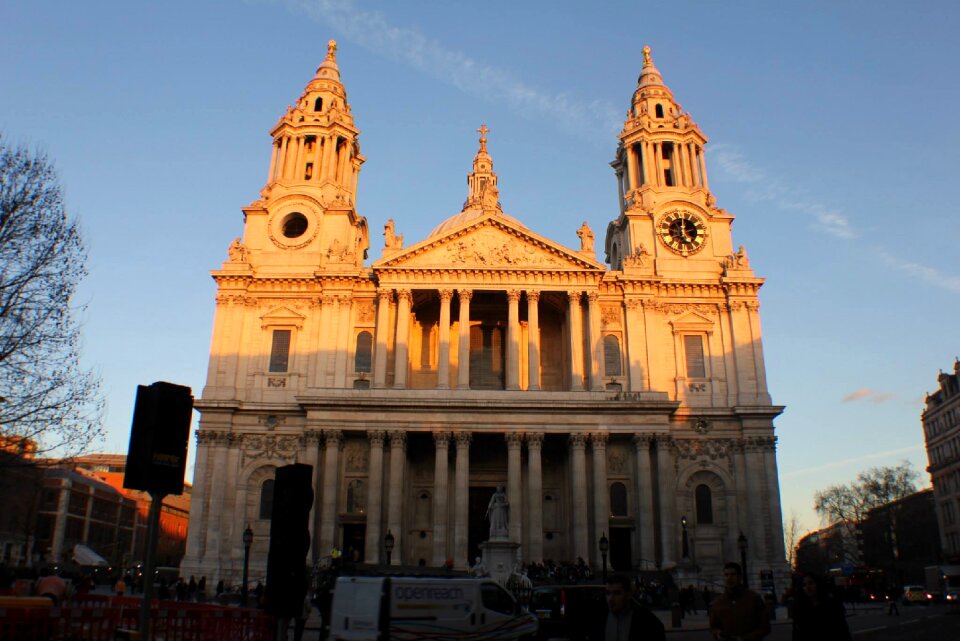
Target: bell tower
{"points": [[667, 218], [306, 218]]}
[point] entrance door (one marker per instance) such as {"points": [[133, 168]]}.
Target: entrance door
{"points": [[478, 528], [621, 558], [354, 537]]}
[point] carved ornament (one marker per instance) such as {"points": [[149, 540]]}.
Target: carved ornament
{"points": [[270, 446]]}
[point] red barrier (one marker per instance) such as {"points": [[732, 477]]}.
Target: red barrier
{"points": [[170, 621]]}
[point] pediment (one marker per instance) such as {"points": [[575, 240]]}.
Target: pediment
{"points": [[490, 243], [692, 322], [282, 316]]}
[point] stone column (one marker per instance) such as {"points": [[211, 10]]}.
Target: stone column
{"points": [[329, 149], [311, 440], [595, 342], [218, 486], [273, 163], [578, 468], [462, 497], [380, 354], [646, 529], [374, 497], [743, 500], [398, 464], [535, 497], [632, 167], [513, 340], [756, 340], [328, 515], [440, 474], [777, 552], [636, 346], [232, 529], [533, 340], [758, 515], [576, 341], [514, 486], [60, 524], [317, 160], [344, 346], [298, 162], [703, 170], [403, 334], [198, 499], [463, 344], [443, 353], [668, 497], [282, 170], [601, 493]]}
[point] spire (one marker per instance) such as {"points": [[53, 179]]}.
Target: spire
{"points": [[328, 68], [482, 181]]}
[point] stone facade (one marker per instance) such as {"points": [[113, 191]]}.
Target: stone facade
{"points": [[941, 430], [609, 401]]}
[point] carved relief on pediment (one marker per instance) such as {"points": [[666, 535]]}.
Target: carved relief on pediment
{"points": [[355, 453], [284, 447], [490, 248]]}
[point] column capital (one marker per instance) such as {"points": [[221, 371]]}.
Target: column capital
{"points": [[534, 439], [333, 438], [642, 440], [574, 297], [446, 294], [664, 442], [593, 297], [599, 440], [514, 440], [464, 294], [312, 437], [578, 440], [398, 438], [328, 299], [404, 294], [533, 295], [463, 439], [513, 295], [441, 439], [377, 437], [385, 295], [633, 304]]}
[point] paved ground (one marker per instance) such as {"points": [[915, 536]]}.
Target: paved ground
{"points": [[871, 623]]}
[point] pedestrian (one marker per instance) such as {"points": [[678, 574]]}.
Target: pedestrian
{"points": [[627, 619], [301, 621], [191, 589], [818, 615], [738, 614], [120, 586], [892, 598], [202, 589]]}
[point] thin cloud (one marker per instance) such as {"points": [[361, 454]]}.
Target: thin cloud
{"points": [[929, 275], [852, 463], [372, 30], [867, 394]]}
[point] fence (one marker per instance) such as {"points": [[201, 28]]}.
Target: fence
{"points": [[96, 618]]}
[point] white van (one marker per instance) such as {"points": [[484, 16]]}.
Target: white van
{"points": [[408, 608]]}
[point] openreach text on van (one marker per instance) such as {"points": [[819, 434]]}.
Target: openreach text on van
{"points": [[433, 592]]}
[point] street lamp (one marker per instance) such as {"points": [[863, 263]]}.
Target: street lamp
{"points": [[388, 543], [742, 545], [247, 540], [604, 548], [686, 541]]}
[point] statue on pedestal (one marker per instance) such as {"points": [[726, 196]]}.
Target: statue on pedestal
{"points": [[498, 512]]}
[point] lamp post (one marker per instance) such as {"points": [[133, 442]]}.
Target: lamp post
{"points": [[247, 540], [388, 543], [604, 548], [686, 540], [742, 545]]}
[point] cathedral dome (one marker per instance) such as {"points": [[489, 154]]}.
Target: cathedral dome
{"points": [[466, 217]]}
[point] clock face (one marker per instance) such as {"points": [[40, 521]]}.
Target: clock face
{"points": [[682, 231]]}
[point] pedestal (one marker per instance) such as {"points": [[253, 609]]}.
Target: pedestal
{"points": [[499, 557]]}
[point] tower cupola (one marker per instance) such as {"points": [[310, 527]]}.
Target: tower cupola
{"points": [[482, 181]]}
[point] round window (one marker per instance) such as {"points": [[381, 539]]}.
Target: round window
{"points": [[294, 225]]}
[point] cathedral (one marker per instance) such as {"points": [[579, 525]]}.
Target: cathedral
{"points": [[617, 392]]}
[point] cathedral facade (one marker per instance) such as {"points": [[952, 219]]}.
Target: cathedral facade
{"points": [[622, 399]]}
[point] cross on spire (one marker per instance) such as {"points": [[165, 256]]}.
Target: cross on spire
{"points": [[483, 137]]}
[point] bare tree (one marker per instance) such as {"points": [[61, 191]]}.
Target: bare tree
{"points": [[847, 505], [49, 402], [791, 536]]}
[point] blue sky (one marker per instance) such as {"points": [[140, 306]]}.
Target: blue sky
{"points": [[833, 129]]}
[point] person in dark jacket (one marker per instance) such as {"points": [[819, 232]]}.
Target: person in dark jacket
{"points": [[627, 620], [738, 614], [817, 616]]}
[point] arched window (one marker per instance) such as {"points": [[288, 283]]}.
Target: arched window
{"points": [[611, 356], [266, 499], [363, 356], [618, 499], [318, 105], [659, 110], [704, 499]]}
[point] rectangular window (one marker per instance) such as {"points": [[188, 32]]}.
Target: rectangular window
{"points": [[280, 351], [693, 348]]}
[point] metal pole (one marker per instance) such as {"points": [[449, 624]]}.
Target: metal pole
{"points": [[153, 527], [246, 571]]}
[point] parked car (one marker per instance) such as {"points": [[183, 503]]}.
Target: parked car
{"points": [[916, 594]]}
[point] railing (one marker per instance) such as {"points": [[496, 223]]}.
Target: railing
{"points": [[96, 618]]}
